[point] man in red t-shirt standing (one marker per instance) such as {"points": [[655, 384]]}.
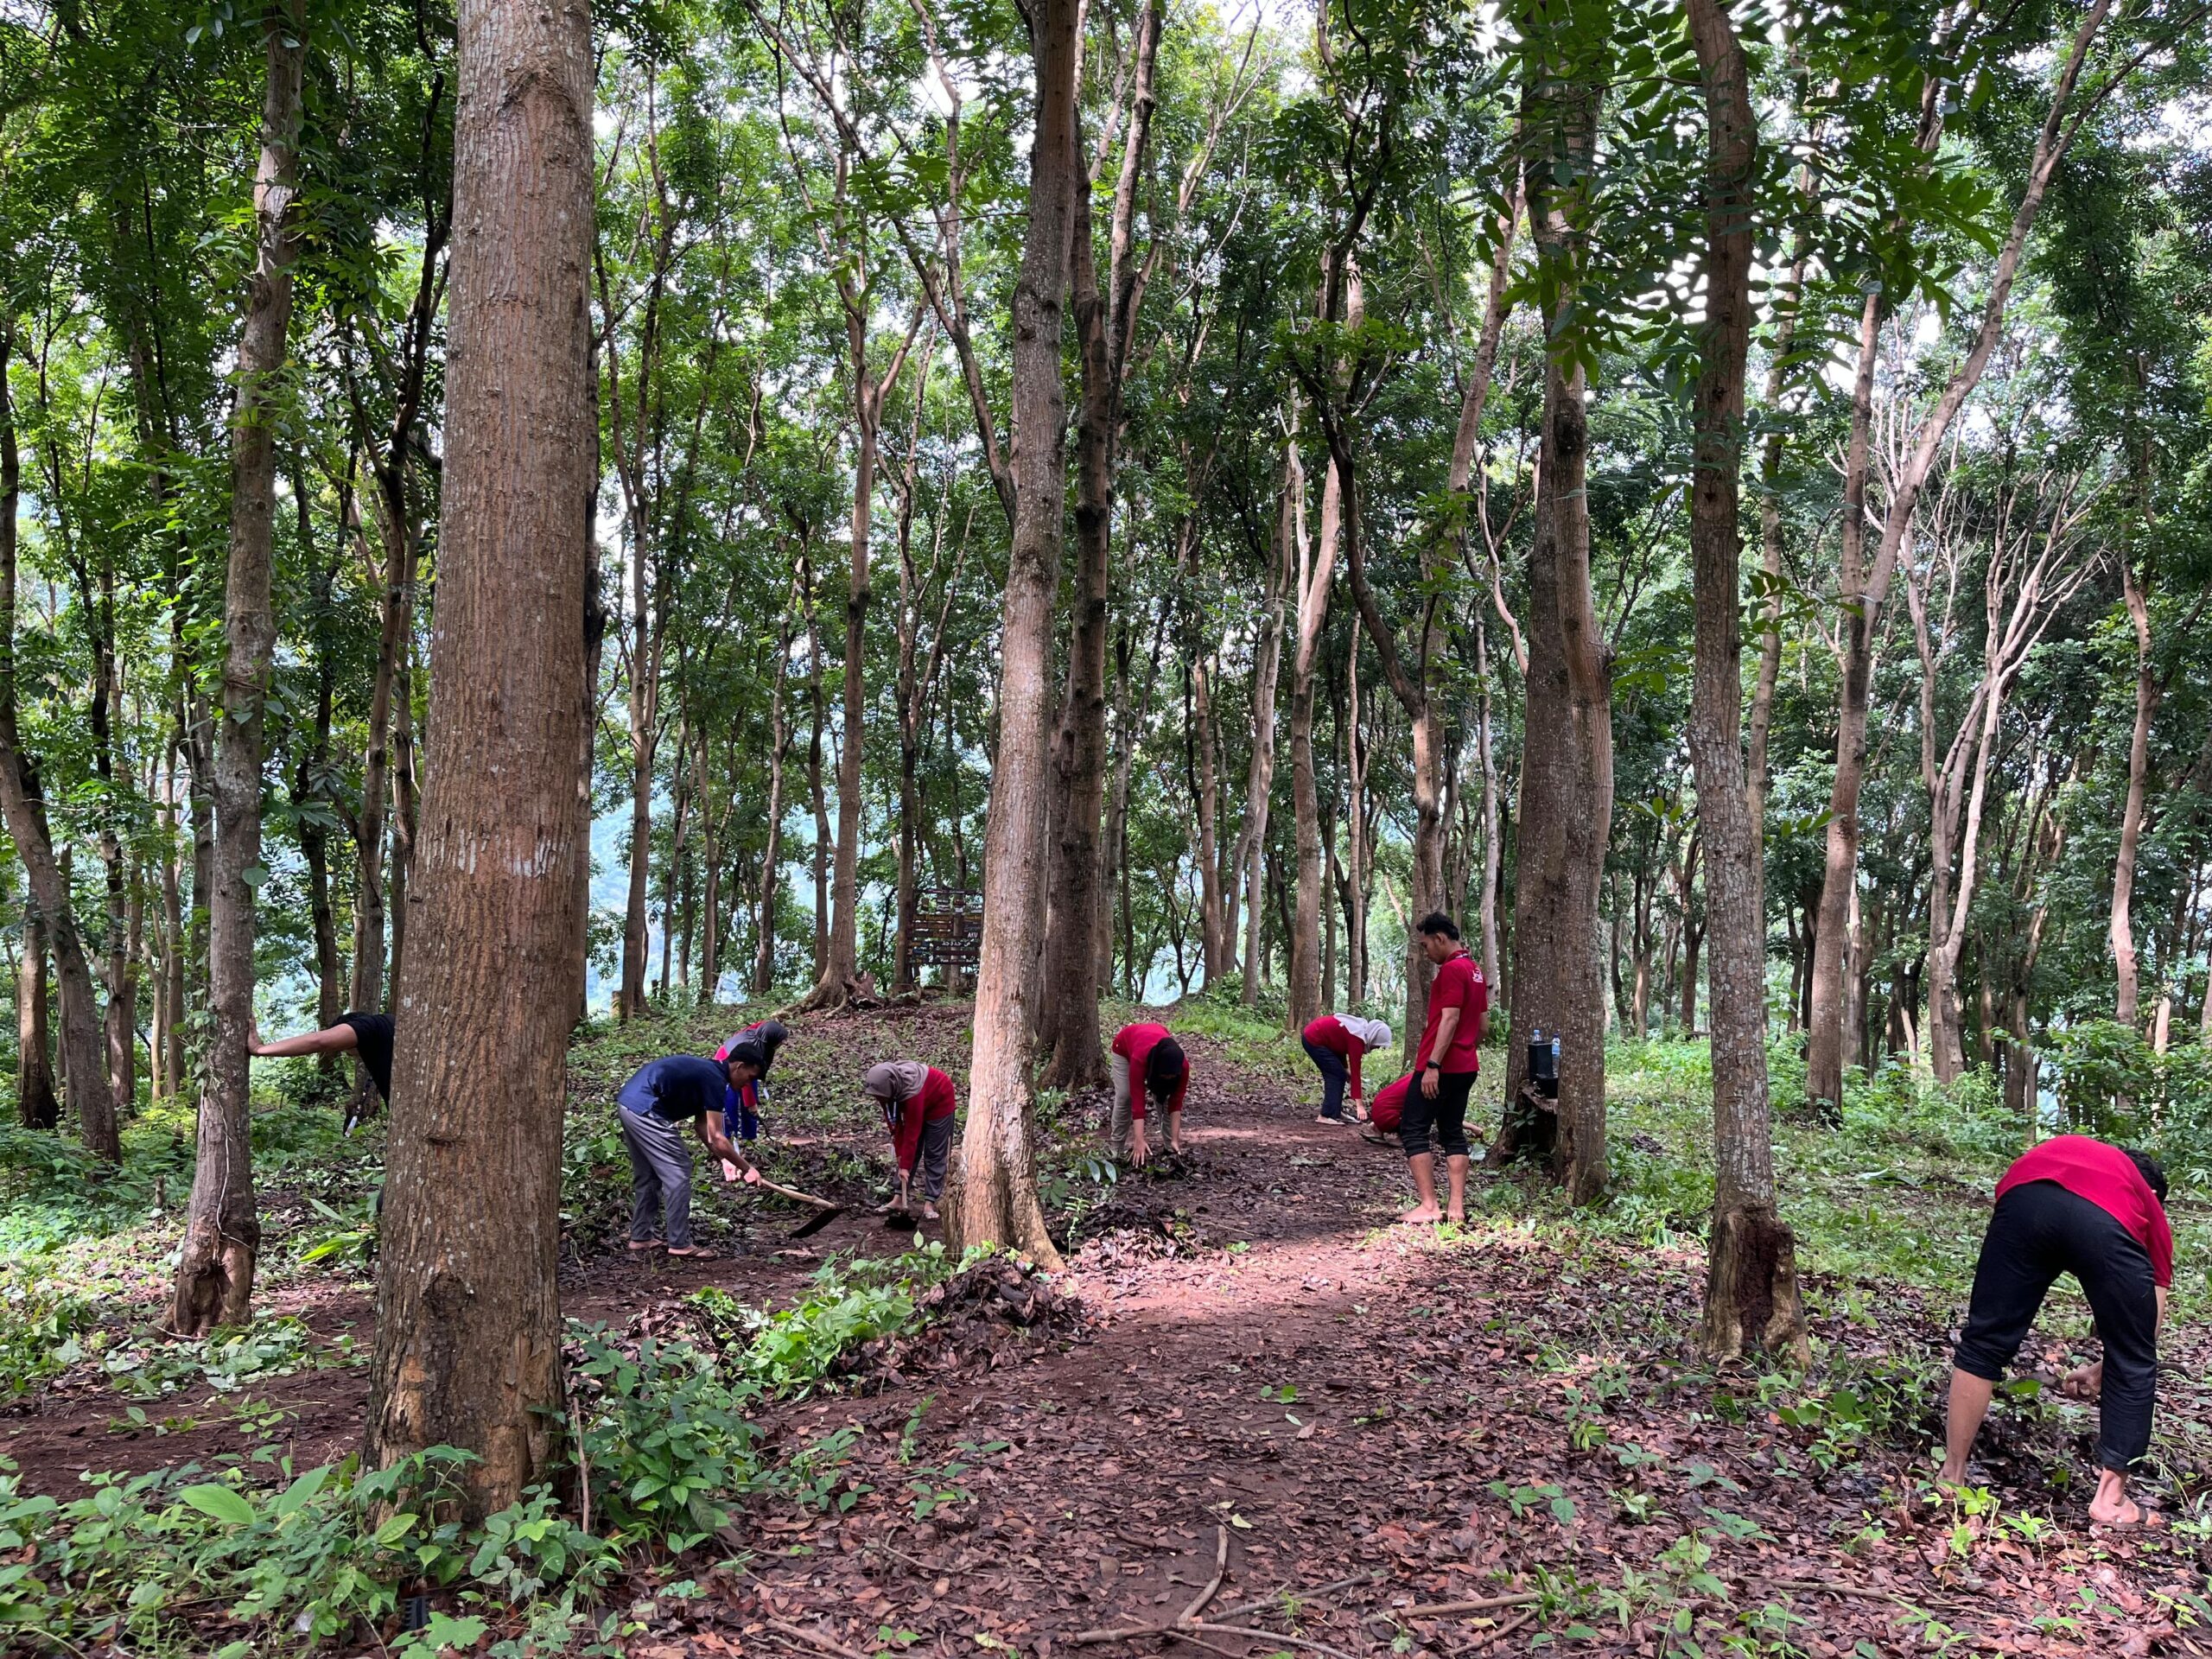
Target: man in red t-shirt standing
{"points": [[1446, 1067], [2074, 1205]]}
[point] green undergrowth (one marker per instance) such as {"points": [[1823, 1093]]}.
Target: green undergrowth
{"points": [[282, 1560], [1898, 1192]]}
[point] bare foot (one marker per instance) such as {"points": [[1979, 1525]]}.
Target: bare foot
{"points": [[644, 1244], [2125, 1512], [1456, 1217], [1420, 1214]]}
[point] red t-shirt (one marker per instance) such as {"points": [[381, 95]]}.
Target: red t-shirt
{"points": [[1458, 984], [1389, 1108], [1331, 1033], [904, 1118], [2107, 1178], [1135, 1043]]}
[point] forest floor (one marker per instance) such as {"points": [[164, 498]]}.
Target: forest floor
{"points": [[1256, 1401]]}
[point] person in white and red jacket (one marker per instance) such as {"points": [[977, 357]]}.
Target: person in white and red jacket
{"points": [[919, 1108], [1336, 1043]]}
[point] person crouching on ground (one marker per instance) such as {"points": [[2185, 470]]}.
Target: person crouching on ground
{"points": [[1148, 1065], [661, 1096], [1445, 1065], [1335, 1043], [2075, 1205], [748, 1054], [918, 1108], [1388, 1112]]}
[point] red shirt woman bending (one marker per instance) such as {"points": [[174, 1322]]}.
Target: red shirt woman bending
{"points": [[1149, 1055]]}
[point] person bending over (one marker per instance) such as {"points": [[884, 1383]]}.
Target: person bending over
{"points": [[1388, 1112], [1445, 1066], [1335, 1043], [748, 1053], [2075, 1205], [368, 1035], [1149, 1054], [918, 1108], [754, 1047], [661, 1096]]}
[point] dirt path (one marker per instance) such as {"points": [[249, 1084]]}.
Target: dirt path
{"points": [[1325, 1397]]}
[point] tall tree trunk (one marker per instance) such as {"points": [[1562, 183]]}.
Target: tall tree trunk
{"points": [[1105, 319], [406, 804], [83, 1073], [310, 802], [2127, 997], [1493, 853], [1751, 1298], [468, 1329], [36, 1108], [1419, 692], [1317, 566], [1259, 789], [1356, 871], [1566, 766], [376, 784], [119, 1027], [840, 962], [713, 854], [173, 930], [763, 943], [645, 733], [819, 702], [995, 1198], [1204, 779], [1864, 587], [222, 1228], [1756, 769], [595, 619], [678, 834]]}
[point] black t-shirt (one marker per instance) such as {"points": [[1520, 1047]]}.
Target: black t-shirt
{"points": [[679, 1087], [373, 1035]]}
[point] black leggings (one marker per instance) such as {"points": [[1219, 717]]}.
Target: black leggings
{"points": [[1446, 1115], [2039, 1230]]}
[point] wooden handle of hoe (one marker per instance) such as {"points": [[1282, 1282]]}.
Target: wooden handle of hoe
{"points": [[795, 1195]]}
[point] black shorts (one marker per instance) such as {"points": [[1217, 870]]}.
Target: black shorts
{"points": [[1446, 1115], [2039, 1230]]}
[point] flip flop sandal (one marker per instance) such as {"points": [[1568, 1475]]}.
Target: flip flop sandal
{"points": [[637, 1249], [696, 1253], [2147, 1520]]}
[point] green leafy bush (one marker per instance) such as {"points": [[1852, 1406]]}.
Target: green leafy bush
{"points": [[147, 1367], [298, 1564], [667, 1438], [42, 1330], [1903, 1106], [2113, 1085]]}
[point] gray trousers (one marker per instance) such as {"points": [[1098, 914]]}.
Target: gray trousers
{"points": [[1119, 1127], [937, 1143], [660, 1178]]}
